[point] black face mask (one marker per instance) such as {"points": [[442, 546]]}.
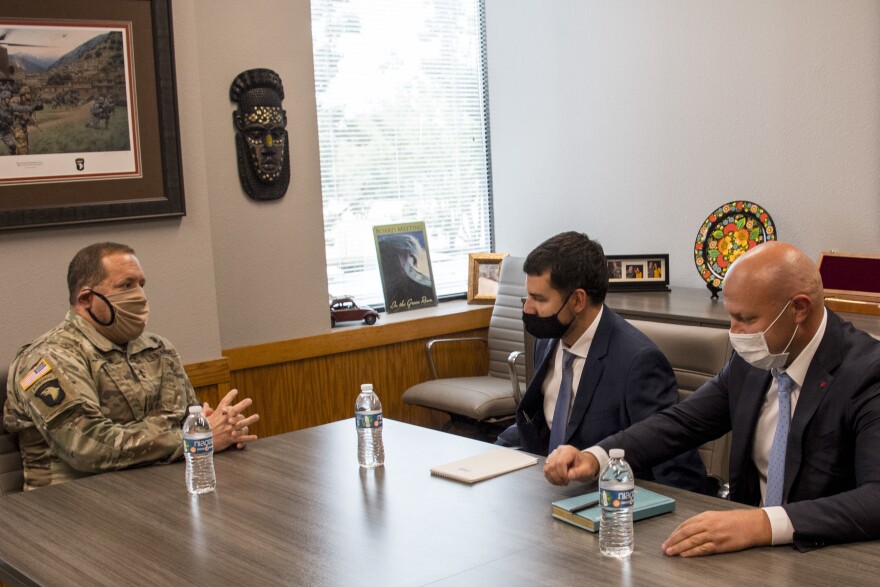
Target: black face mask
{"points": [[548, 327]]}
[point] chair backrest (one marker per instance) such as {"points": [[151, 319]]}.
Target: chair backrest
{"points": [[11, 471], [530, 356], [696, 353], [506, 327]]}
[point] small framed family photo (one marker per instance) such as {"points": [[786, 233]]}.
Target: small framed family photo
{"points": [[484, 275], [638, 272]]}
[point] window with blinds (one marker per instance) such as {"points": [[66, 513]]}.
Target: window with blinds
{"points": [[404, 134]]}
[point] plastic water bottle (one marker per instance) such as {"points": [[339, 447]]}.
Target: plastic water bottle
{"points": [[368, 419], [198, 445], [616, 489]]}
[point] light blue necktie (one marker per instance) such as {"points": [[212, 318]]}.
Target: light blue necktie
{"points": [[776, 466], [563, 402]]}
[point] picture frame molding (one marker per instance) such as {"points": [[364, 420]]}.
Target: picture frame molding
{"points": [[474, 262], [163, 187], [644, 283]]}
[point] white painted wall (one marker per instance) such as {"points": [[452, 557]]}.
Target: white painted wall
{"points": [[176, 254], [632, 120], [232, 272], [269, 256]]}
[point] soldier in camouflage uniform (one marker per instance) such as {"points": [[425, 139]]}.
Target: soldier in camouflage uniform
{"points": [[97, 112], [11, 115], [96, 393], [6, 122], [23, 117]]}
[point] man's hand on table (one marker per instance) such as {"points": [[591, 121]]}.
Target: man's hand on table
{"points": [[714, 532], [567, 464]]}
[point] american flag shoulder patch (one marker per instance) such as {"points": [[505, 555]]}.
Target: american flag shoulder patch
{"points": [[36, 373]]}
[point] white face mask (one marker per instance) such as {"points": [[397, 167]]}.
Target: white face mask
{"points": [[754, 350]]}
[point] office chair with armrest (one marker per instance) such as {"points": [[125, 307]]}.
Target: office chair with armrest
{"points": [[492, 397], [696, 353], [11, 468], [527, 357]]}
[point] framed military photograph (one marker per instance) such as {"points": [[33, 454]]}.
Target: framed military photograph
{"points": [[88, 121], [638, 272]]}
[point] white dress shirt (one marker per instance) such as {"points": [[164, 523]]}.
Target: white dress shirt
{"points": [[780, 524]]}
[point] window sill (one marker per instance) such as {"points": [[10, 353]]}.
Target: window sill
{"points": [[447, 318]]}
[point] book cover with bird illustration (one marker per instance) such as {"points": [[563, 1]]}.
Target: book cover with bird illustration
{"points": [[405, 266]]}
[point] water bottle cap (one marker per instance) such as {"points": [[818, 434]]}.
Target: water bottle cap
{"points": [[195, 409], [616, 453], [367, 387]]}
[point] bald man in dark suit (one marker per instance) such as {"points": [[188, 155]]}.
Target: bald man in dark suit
{"points": [[802, 390]]}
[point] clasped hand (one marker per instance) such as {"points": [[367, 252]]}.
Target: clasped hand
{"points": [[228, 425]]}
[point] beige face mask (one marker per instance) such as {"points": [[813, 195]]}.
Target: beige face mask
{"points": [[128, 315]]}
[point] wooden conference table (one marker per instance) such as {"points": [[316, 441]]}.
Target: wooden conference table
{"points": [[295, 509]]}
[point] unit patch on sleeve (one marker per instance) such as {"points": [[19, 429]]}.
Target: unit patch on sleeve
{"points": [[51, 393], [36, 373]]}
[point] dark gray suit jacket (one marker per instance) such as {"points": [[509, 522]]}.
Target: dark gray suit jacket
{"points": [[625, 379], [832, 462]]}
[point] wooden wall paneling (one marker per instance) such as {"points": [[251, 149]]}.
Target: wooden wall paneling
{"points": [[316, 390], [351, 337], [210, 379], [208, 372], [210, 394], [314, 380]]}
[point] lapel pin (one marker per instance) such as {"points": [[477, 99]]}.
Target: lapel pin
{"points": [[822, 385]]}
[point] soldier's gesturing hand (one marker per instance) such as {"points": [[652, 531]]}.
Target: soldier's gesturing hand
{"points": [[228, 424]]}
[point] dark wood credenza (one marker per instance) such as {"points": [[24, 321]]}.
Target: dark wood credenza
{"points": [[694, 306]]}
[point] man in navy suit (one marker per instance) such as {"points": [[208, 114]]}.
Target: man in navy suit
{"points": [[595, 373], [802, 390]]}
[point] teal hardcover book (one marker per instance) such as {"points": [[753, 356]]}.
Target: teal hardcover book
{"points": [[584, 511]]}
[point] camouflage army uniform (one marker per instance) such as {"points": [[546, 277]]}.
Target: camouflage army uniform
{"points": [[81, 405], [20, 121], [8, 111], [97, 112], [6, 122]]}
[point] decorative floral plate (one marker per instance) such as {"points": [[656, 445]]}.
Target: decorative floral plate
{"points": [[727, 233]]}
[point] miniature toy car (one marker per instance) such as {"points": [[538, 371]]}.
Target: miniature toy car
{"points": [[343, 309]]}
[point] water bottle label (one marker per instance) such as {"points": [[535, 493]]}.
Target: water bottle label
{"points": [[612, 498], [199, 446], [368, 420]]}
